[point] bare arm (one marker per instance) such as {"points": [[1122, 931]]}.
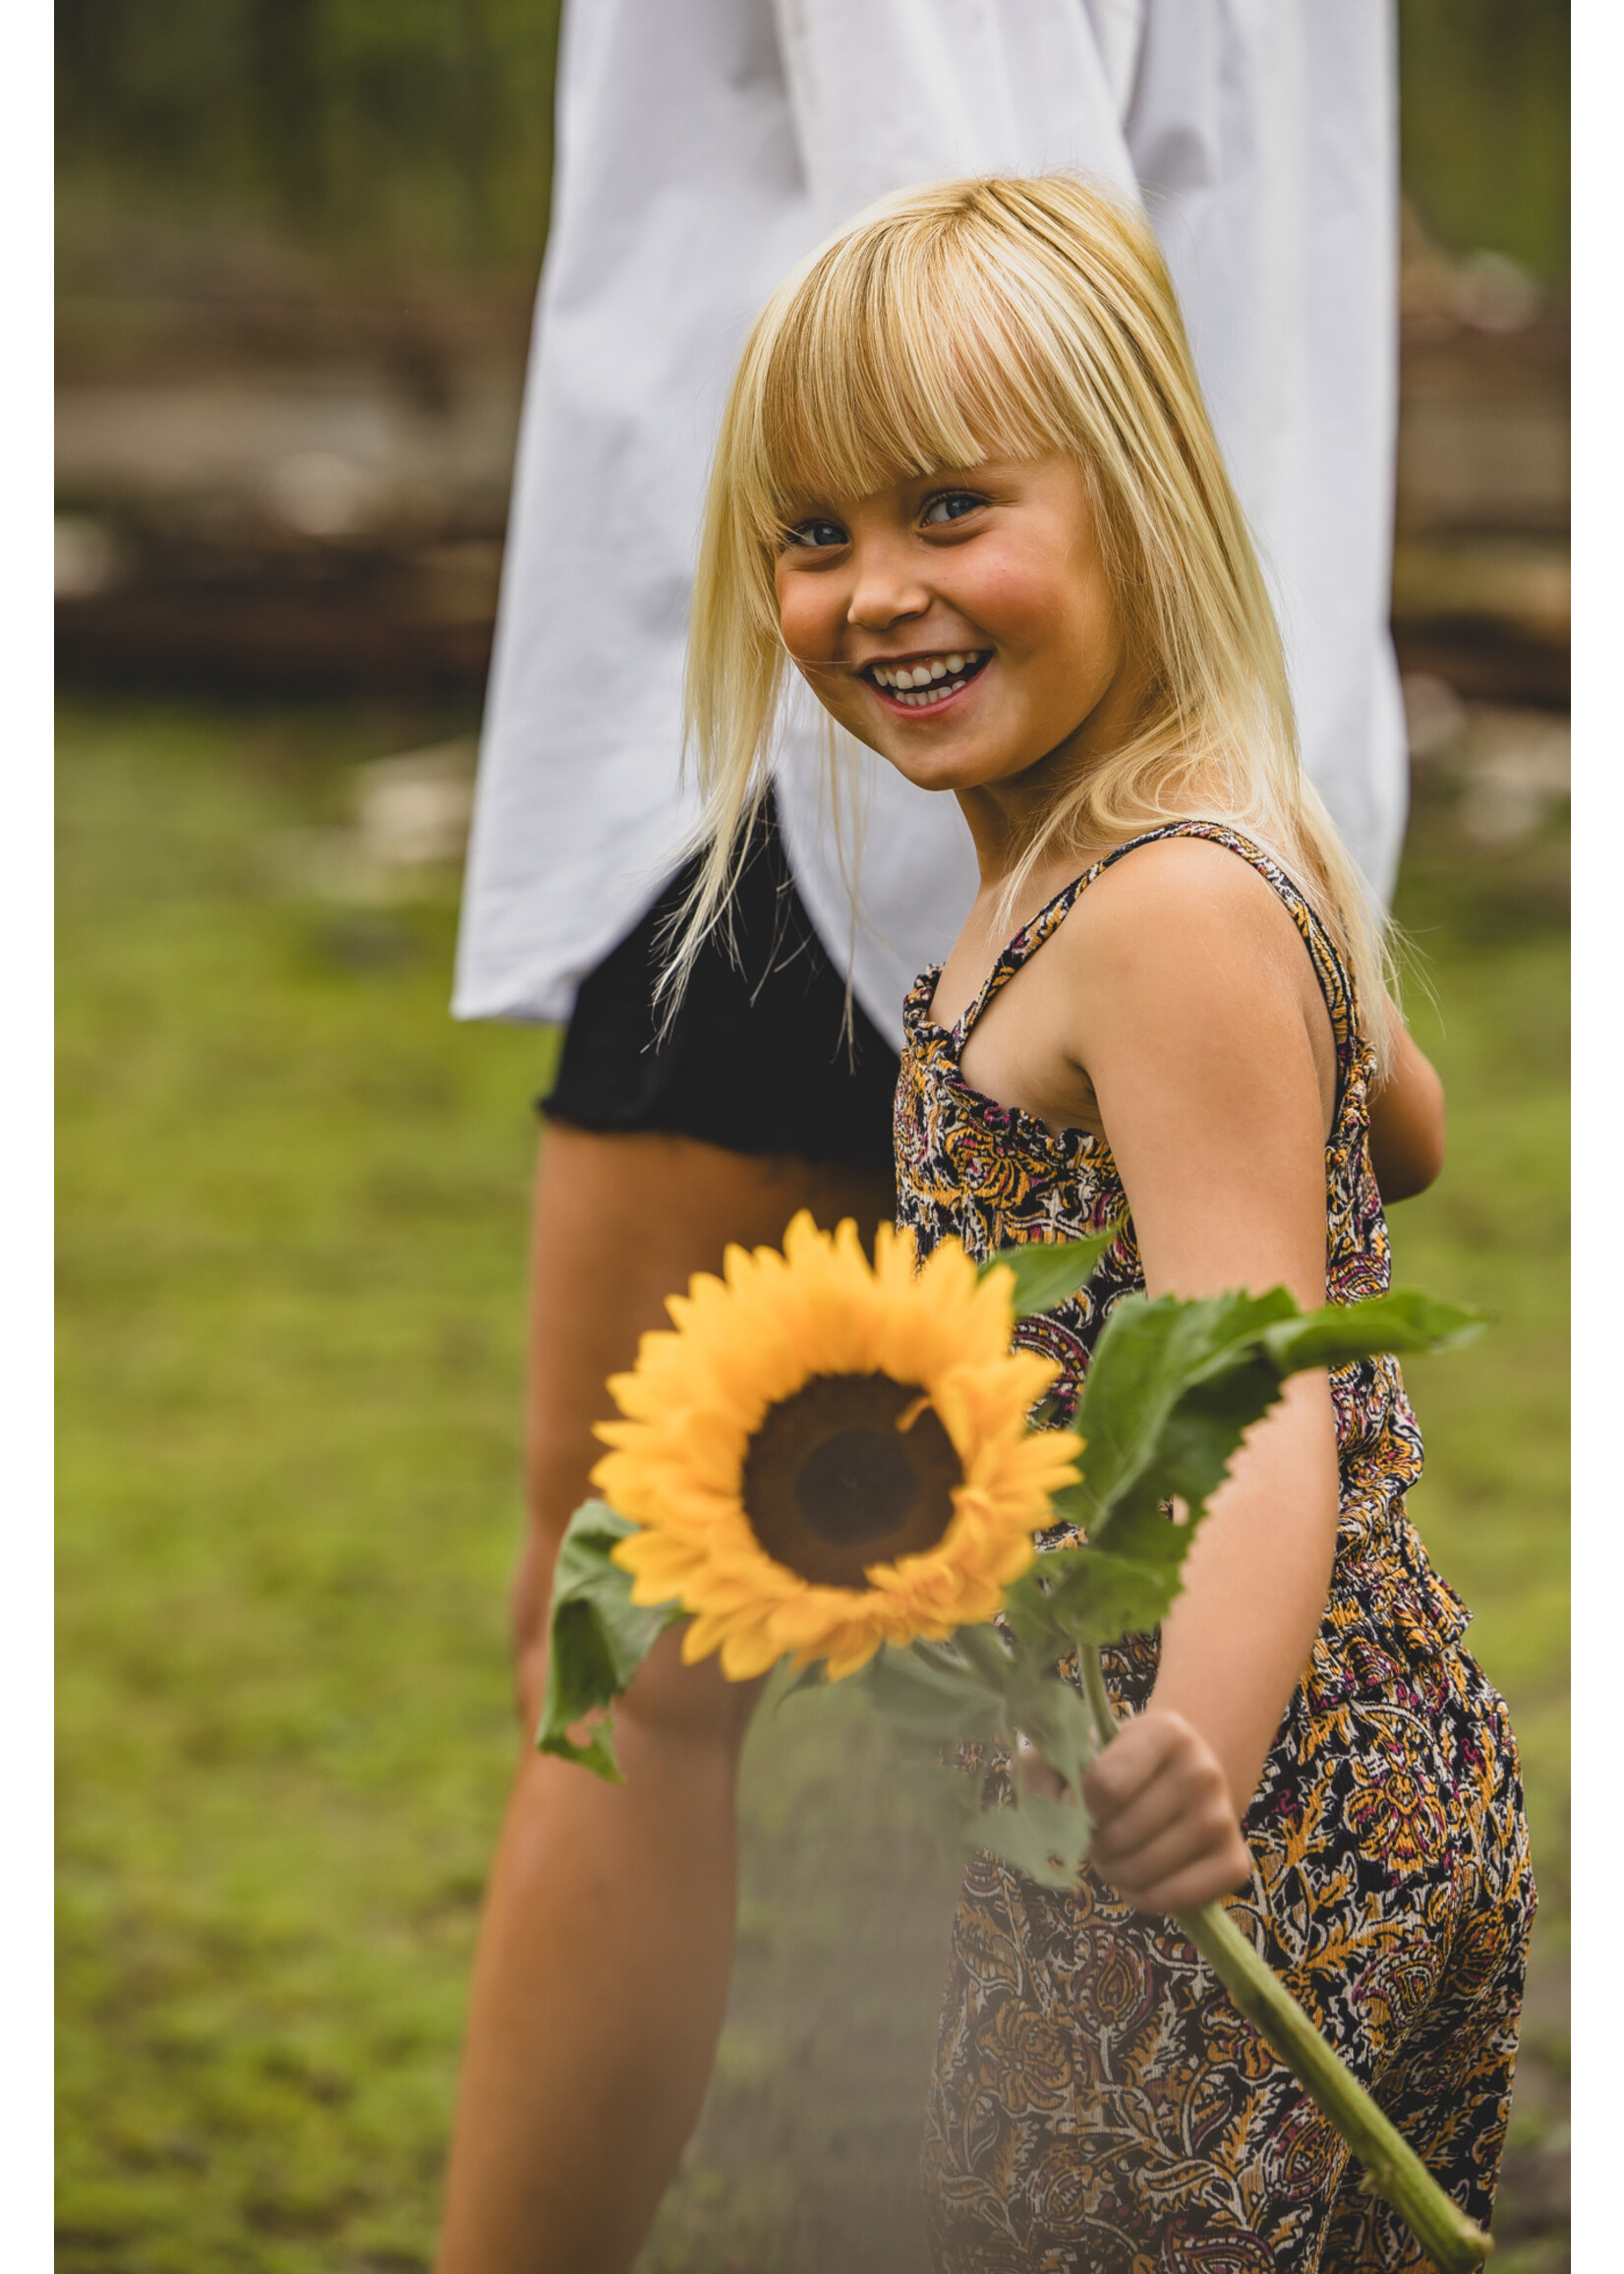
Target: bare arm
{"points": [[1406, 1122], [1196, 1026]]}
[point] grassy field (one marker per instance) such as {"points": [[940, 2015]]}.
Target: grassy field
{"points": [[292, 1207]]}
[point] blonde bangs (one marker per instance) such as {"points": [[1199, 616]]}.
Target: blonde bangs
{"points": [[891, 365]]}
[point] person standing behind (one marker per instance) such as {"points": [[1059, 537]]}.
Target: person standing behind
{"points": [[703, 148]]}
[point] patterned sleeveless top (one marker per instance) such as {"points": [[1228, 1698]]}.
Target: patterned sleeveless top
{"points": [[997, 1177]]}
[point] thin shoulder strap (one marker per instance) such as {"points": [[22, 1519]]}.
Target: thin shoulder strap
{"points": [[1032, 935], [1335, 980], [1335, 984]]}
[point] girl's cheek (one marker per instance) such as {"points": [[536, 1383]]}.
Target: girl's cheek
{"points": [[806, 635], [1014, 599]]}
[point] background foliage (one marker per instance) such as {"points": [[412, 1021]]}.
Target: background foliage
{"points": [[420, 131], [1484, 126], [416, 133]]}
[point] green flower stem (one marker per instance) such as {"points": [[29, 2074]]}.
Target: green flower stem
{"points": [[1098, 1696], [1392, 2169], [984, 1654]]}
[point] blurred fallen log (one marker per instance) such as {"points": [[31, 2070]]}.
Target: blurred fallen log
{"points": [[416, 622], [321, 531]]}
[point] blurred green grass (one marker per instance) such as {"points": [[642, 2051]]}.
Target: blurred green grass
{"points": [[293, 1201], [1487, 1001]]}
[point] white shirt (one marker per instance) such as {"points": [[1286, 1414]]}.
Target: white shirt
{"points": [[703, 148]]}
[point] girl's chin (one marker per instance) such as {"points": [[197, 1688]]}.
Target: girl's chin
{"points": [[926, 769], [938, 766], [941, 770]]}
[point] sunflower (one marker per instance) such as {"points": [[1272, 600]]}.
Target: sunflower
{"points": [[824, 1455]]}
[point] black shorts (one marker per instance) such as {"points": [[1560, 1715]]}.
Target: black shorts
{"points": [[758, 1058]]}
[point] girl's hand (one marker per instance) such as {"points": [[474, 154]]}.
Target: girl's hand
{"points": [[1165, 1830]]}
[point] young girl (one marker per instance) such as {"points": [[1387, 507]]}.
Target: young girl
{"points": [[967, 487]]}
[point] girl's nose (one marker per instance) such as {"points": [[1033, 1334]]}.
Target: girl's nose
{"points": [[887, 587]]}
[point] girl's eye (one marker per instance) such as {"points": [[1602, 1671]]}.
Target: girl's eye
{"points": [[816, 532], [951, 506]]}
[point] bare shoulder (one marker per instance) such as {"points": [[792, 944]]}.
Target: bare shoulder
{"points": [[1185, 978], [1186, 973], [1187, 906]]}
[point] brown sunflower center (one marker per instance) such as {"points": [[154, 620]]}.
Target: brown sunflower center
{"points": [[832, 1483]]}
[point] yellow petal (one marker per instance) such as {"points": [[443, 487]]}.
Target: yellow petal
{"points": [[746, 1654]]}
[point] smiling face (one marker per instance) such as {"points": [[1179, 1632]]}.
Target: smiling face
{"points": [[961, 624]]}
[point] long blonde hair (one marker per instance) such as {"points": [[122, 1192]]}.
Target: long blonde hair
{"points": [[1012, 316]]}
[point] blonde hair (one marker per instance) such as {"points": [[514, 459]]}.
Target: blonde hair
{"points": [[1013, 318]]}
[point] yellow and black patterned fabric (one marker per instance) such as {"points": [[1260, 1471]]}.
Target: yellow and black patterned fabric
{"points": [[1098, 2105]]}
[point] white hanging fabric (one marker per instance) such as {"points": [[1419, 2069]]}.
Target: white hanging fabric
{"points": [[703, 148]]}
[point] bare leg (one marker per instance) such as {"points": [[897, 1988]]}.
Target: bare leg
{"points": [[607, 1943]]}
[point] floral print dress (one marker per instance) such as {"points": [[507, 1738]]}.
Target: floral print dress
{"points": [[1098, 2105]]}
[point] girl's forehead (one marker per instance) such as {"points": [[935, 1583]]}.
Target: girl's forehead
{"points": [[890, 364]]}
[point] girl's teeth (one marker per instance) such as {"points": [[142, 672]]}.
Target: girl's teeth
{"points": [[922, 701], [902, 679]]}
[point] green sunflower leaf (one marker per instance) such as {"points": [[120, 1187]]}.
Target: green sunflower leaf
{"points": [[934, 1698], [599, 1638], [811, 1677], [1047, 1840], [1405, 1320], [1053, 1715], [1098, 1597], [1171, 1390], [1046, 1272]]}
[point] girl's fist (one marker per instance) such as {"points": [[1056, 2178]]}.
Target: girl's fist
{"points": [[1165, 1830]]}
